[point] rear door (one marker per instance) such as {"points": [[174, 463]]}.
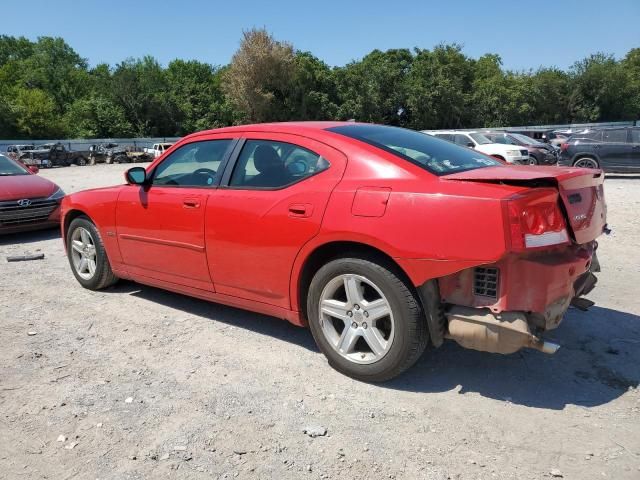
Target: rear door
{"points": [[270, 203]]}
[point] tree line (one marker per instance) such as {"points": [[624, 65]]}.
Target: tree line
{"points": [[47, 90]]}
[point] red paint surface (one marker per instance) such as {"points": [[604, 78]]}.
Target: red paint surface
{"points": [[247, 248]]}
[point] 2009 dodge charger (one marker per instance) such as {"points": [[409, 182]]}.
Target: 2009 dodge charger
{"points": [[380, 239]]}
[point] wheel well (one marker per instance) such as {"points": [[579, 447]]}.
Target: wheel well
{"points": [[70, 217], [499, 157], [333, 250]]}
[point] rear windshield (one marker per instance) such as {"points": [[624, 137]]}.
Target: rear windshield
{"points": [[433, 154]]}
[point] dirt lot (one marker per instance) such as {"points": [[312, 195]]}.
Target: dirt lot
{"points": [[141, 383]]}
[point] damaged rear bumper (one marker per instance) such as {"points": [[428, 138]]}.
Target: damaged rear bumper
{"points": [[506, 306]]}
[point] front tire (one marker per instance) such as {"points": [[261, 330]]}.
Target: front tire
{"points": [[586, 162], [365, 319], [87, 256], [533, 160]]}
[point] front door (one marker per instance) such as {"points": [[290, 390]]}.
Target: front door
{"points": [[633, 160], [614, 150], [265, 210], [160, 226]]}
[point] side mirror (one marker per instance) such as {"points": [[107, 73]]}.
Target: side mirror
{"points": [[33, 169], [471, 144], [136, 176]]}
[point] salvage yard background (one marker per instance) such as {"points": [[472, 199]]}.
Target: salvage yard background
{"points": [[134, 382]]}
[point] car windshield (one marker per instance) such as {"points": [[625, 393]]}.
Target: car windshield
{"points": [[525, 139], [480, 139], [435, 155], [10, 168]]}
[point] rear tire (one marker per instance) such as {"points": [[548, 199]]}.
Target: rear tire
{"points": [[87, 256], [375, 332]]}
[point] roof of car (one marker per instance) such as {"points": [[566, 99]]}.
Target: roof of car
{"points": [[283, 127]]}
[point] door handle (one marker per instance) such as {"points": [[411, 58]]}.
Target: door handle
{"points": [[300, 210], [190, 203]]}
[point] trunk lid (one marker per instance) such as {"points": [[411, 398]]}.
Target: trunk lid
{"points": [[581, 191]]}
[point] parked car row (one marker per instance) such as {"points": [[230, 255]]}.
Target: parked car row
{"points": [[509, 147], [58, 155], [479, 141], [612, 149]]}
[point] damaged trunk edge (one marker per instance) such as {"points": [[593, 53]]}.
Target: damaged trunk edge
{"points": [[479, 311]]}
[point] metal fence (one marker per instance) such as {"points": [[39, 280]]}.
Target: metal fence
{"points": [[84, 143]]}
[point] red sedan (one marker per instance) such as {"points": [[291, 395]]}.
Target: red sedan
{"points": [[380, 239], [27, 201]]}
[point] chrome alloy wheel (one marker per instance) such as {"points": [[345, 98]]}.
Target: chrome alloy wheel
{"points": [[83, 251], [356, 318], [586, 162]]}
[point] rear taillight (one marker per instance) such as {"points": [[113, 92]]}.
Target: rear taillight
{"points": [[564, 146], [536, 220]]}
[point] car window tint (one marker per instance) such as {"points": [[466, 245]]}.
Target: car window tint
{"points": [[270, 164], [635, 135], [593, 135], [462, 140], [195, 164], [426, 151], [614, 136]]}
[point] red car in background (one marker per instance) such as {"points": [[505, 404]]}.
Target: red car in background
{"points": [[382, 240], [27, 201]]}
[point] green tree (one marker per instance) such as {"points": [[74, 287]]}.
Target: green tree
{"points": [[439, 86], [599, 88], [141, 89], [375, 88], [35, 113], [260, 77], [313, 94]]}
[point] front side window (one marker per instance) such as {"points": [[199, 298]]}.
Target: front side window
{"points": [[434, 155], [615, 136], [195, 164], [635, 135], [592, 135], [463, 140], [479, 138], [270, 164]]}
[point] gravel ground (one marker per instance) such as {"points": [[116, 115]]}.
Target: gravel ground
{"points": [[135, 382]]}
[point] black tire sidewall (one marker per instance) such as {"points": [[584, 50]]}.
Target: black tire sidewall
{"points": [[94, 282], [383, 278]]}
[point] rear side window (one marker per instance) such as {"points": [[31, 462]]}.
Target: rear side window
{"points": [[271, 164], [615, 136], [426, 151]]}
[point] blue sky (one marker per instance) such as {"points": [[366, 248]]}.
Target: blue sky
{"points": [[540, 32]]}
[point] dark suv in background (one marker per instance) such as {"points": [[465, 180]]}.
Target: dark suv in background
{"points": [[539, 153], [611, 149]]}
